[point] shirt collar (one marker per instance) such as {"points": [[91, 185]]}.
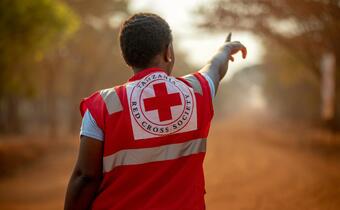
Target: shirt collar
{"points": [[145, 72]]}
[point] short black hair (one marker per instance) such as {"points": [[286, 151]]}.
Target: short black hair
{"points": [[142, 37]]}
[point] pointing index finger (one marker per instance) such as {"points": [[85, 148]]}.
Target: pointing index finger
{"points": [[228, 37]]}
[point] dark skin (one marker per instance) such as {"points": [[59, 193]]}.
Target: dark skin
{"points": [[87, 174], [164, 60]]}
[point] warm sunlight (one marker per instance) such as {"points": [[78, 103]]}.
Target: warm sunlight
{"points": [[198, 45]]}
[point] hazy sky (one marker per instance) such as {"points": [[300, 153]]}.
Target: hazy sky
{"points": [[198, 45]]}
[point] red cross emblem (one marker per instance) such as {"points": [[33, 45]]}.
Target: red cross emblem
{"points": [[162, 102]]}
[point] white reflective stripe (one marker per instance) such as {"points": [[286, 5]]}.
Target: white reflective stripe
{"points": [[211, 84], [112, 100], [196, 85], [153, 154]]}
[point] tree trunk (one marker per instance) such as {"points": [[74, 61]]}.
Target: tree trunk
{"points": [[337, 99], [328, 90]]}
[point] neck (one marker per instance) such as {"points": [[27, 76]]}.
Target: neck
{"points": [[162, 67]]}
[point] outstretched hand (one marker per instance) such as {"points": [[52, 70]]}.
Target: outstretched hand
{"points": [[217, 67], [234, 47]]}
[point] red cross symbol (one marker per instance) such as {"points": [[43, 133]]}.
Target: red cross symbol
{"points": [[162, 102]]}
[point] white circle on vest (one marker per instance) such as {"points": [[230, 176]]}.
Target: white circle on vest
{"points": [[161, 104]]}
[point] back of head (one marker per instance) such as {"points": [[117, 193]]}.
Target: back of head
{"points": [[142, 37]]}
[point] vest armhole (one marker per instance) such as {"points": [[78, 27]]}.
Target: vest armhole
{"points": [[96, 106], [194, 83]]}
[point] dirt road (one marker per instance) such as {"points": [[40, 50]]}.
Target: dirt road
{"points": [[261, 167], [248, 166]]}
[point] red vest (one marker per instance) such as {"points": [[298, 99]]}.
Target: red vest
{"points": [[155, 128]]}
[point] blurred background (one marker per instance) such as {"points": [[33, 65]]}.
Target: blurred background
{"points": [[274, 142]]}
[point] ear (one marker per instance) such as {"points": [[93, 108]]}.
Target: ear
{"points": [[168, 55]]}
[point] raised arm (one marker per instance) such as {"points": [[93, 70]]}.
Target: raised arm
{"points": [[217, 67]]}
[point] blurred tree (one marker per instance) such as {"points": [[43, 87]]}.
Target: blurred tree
{"points": [[28, 28], [290, 90], [90, 61], [307, 29]]}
